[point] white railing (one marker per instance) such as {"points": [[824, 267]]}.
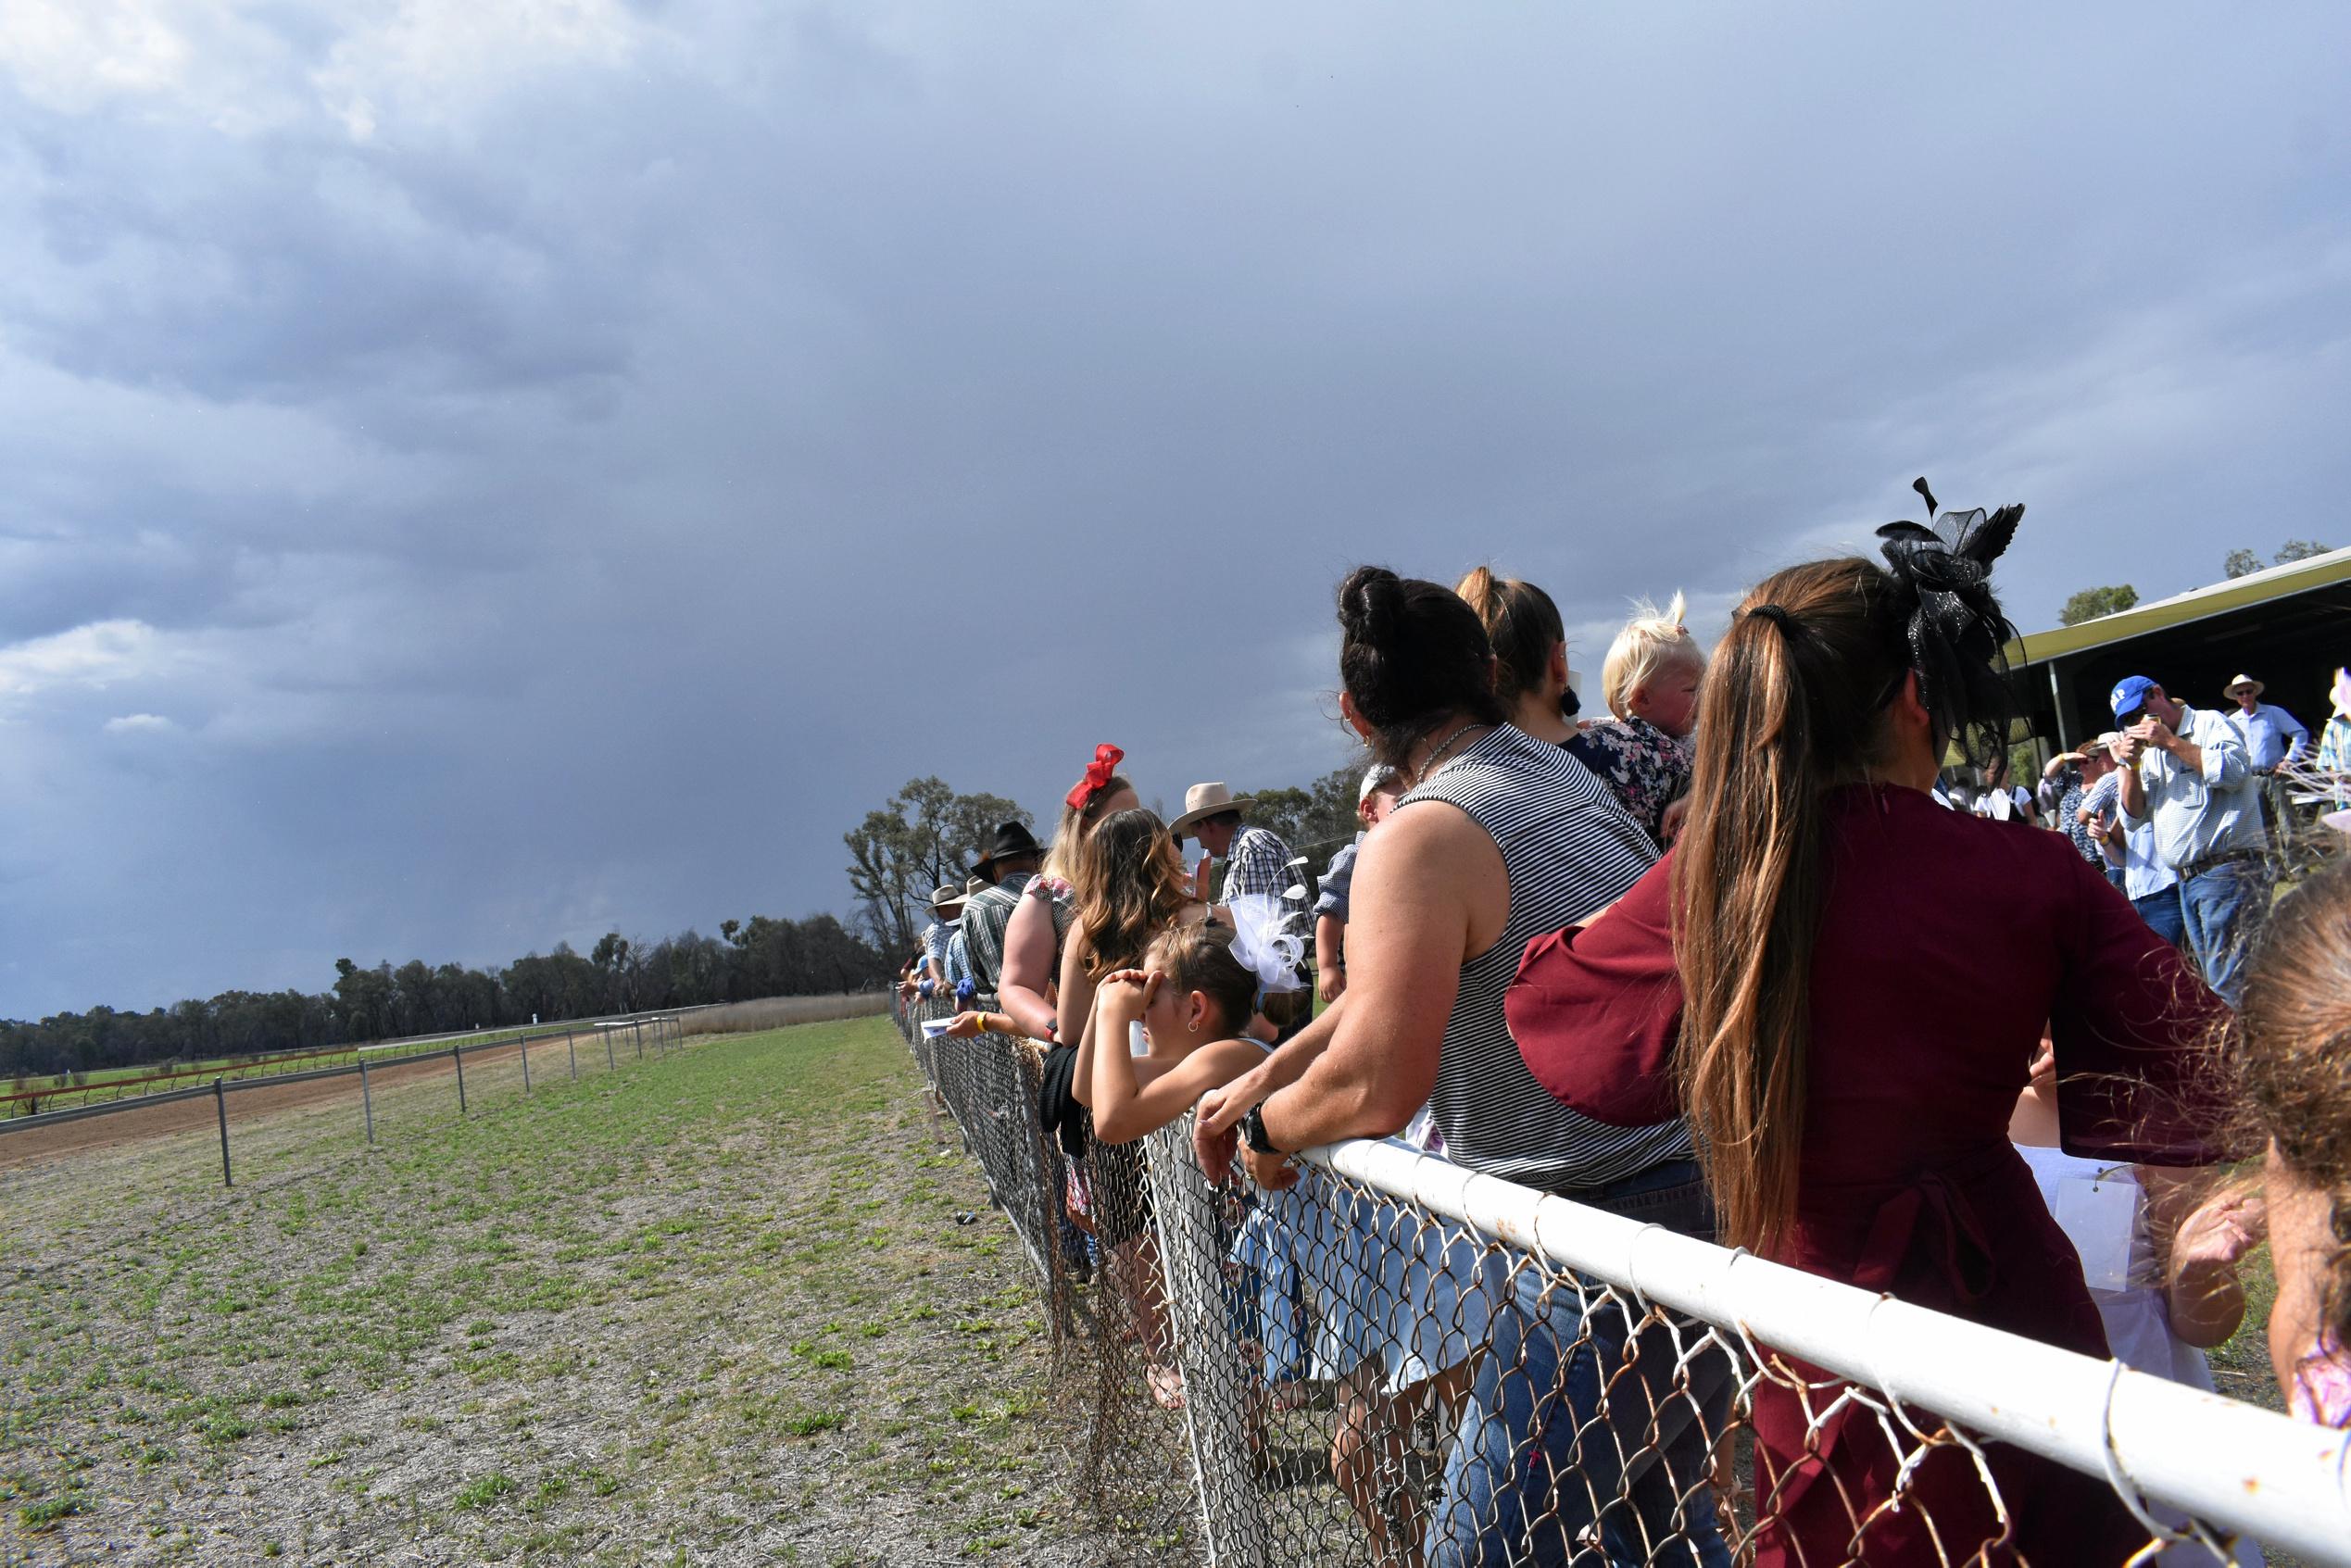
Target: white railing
{"points": [[1269, 1300]]}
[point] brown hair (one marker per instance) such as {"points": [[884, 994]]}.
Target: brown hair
{"points": [[2294, 1032], [1523, 625], [1130, 883], [1200, 957], [1410, 653], [1792, 706], [1061, 861]]}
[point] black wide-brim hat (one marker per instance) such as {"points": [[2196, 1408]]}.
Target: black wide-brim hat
{"points": [[1013, 840]]}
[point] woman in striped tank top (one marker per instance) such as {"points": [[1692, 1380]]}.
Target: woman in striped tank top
{"points": [[1502, 839]]}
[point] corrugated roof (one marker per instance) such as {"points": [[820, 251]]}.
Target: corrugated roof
{"points": [[2270, 583]]}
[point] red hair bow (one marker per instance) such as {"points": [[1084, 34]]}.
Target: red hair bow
{"points": [[1097, 773]]}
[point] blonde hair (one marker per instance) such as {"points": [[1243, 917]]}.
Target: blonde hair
{"points": [[1651, 640], [1061, 861]]}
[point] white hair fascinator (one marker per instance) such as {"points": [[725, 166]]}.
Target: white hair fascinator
{"points": [[1269, 939]]}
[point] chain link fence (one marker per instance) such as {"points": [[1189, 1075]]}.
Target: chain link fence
{"points": [[1401, 1362]]}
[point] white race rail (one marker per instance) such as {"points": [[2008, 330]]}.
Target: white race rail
{"points": [[2281, 1481]]}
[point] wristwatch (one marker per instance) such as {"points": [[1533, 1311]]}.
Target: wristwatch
{"points": [[1253, 1131]]}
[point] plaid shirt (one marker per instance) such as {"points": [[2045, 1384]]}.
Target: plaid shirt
{"points": [[1258, 863], [935, 937]]}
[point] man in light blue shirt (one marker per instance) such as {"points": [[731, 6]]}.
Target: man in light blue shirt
{"points": [[2184, 773], [2271, 736]]}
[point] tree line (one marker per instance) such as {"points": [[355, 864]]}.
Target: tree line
{"points": [[764, 957]]}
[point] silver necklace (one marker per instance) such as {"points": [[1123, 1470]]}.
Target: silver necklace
{"points": [[1429, 763]]}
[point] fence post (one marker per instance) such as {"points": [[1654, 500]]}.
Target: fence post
{"points": [[636, 1032], [526, 1064], [220, 1105], [366, 1101], [572, 1051], [457, 1054], [607, 1033]]}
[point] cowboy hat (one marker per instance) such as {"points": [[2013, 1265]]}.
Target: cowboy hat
{"points": [[1207, 800], [975, 884], [946, 898], [1013, 840], [2240, 682]]}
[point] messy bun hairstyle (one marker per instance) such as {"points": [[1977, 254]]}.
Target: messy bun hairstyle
{"points": [[1412, 652], [1523, 625]]}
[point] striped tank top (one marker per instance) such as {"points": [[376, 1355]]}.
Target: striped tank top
{"points": [[1569, 849]]}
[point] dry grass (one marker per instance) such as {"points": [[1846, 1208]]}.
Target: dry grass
{"points": [[726, 1306]]}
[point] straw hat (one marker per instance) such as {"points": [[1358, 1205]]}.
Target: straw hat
{"points": [[2240, 684], [946, 898], [1207, 800]]}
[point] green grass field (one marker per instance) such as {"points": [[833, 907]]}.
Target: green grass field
{"points": [[239, 1066], [716, 1307]]}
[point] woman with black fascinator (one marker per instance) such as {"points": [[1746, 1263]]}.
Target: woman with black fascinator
{"points": [[1841, 986]]}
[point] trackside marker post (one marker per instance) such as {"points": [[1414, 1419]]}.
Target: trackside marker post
{"points": [[366, 1101], [526, 1064], [570, 1050], [220, 1105], [456, 1054]]}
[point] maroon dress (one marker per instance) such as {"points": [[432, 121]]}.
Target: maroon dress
{"points": [[1945, 944]]}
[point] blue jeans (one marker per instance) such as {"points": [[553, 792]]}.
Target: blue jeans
{"points": [[2222, 908], [2161, 910], [1538, 1455]]}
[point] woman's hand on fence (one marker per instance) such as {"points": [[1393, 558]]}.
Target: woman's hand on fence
{"points": [[966, 1026]]}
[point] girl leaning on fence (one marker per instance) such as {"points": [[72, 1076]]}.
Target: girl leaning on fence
{"points": [[1842, 986], [1501, 837]]}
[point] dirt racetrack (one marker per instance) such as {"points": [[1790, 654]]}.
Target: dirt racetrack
{"points": [[135, 1124]]}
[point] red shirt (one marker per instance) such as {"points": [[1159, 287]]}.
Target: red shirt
{"points": [[1945, 944]]}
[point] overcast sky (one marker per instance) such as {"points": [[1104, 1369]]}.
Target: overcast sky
{"points": [[483, 472]]}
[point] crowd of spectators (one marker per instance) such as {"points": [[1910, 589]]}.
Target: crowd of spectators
{"points": [[1744, 958]]}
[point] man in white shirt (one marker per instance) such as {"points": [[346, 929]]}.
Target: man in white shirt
{"points": [[2271, 736], [2002, 801], [2184, 773]]}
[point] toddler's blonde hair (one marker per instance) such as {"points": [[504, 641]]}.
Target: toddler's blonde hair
{"points": [[1651, 640]]}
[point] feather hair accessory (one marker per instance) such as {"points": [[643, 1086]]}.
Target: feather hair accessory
{"points": [[1954, 628], [1269, 939]]}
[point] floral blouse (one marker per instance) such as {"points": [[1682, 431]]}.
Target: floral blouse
{"points": [[1643, 766]]}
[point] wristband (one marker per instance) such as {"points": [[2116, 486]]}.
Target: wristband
{"points": [[1253, 1131]]}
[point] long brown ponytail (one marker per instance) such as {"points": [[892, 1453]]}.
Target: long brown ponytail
{"points": [[1793, 705]]}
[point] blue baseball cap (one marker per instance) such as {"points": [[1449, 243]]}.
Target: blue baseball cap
{"points": [[2130, 693]]}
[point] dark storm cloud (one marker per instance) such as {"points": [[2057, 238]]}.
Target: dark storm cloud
{"points": [[561, 472]]}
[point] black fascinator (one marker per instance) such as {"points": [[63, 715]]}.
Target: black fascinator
{"points": [[1957, 634]]}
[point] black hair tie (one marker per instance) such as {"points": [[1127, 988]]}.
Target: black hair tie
{"points": [[1777, 617]]}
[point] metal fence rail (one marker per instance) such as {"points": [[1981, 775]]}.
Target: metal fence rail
{"points": [[559, 1053], [1404, 1362]]}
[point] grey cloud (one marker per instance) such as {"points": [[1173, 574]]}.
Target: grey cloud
{"points": [[587, 496]]}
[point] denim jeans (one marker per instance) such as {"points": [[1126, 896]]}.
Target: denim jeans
{"points": [[2222, 909], [1538, 1460], [2161, 910]]}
